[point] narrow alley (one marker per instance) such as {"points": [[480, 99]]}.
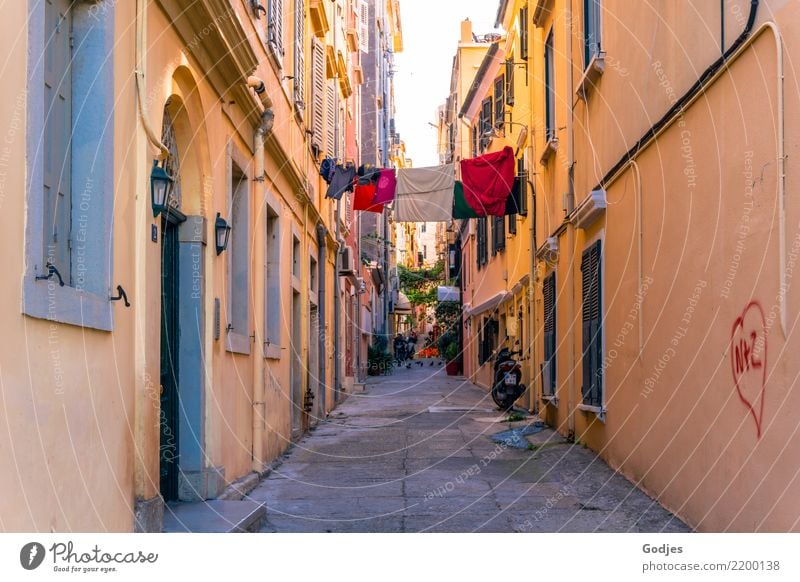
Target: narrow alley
{"points": [[414, 453]]}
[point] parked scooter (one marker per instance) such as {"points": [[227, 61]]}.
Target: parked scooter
{"points": [[507, 387]]}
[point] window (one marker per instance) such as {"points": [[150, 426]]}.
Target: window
{"points": [[591, 290], [523, 33], [317, 95], [499, 103], [549, 365], [510, 81], [498, 234], [591, 30], [512, 224], [424, 251], [239, 263], [312, 274], [550, 89], [295, 256], [272, 298], [482, 254], [522, 181], [299, 55], [275, 29], [485, 123], [423, 227], [475, 142], [70, 163], [363, 26], [488, 340]]}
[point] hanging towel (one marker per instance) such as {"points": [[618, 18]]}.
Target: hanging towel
{"points": [[326, 169], [424, 194], [342, 181], [460, 207], [386, 187], [364, 199], [488, 181]]}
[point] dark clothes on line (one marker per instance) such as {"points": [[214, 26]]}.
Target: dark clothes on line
{"points": [[342, 181]]}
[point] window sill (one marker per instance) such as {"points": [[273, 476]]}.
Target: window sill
{"points": [[237, 343], [551, 400], [46, 300], [550, 148], [599, 411], [591, 76], [272, 351]]}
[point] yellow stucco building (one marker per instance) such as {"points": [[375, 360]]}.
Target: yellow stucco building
{"points": [[152, 360], [659, 296]]}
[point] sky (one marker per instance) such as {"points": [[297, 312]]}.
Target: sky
{"points": [[431, 29]]}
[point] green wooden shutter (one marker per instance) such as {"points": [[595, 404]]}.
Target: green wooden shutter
{"points": [[549, 292], [592, 325]]}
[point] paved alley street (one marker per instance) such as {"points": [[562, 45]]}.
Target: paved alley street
{"points": [[414, 453]]}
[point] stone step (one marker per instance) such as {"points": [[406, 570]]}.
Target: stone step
{"points": [[215, 516]]}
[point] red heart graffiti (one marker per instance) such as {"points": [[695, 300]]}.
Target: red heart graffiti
{"points": [[748, 350]]}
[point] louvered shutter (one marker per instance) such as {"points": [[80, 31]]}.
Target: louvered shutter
{"points": [[549, 370], [363, 26], [56, 143], [299, 54], [330, 134], [317, 93], [275, 27], [523, 33], [592, 326], [510, 82]]}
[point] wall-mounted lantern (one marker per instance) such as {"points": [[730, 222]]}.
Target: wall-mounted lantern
{"points": [[222, 232], [161, 185]]}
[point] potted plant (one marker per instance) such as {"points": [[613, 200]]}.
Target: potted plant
{"points": [[451, 355]]}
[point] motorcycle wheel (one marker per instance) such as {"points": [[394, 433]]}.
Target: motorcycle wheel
{"points": [[502, 402]]}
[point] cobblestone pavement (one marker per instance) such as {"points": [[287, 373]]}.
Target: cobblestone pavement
{"points": [[413, 453]]}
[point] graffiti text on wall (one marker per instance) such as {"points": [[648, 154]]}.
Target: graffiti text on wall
{"points": [[748, 351]]}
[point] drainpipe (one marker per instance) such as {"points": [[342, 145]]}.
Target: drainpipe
{"points": [[259, 136], [571, 195], [322, 234], [534, 405], [141, 17]]}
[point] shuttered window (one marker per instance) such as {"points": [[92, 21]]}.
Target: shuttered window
{"points": [[485, 124], [317, 94], [363, 26], [522, 176], [481, 236], [275, 28], [591, 30], [57, 140], [591, 290], [550, 88], [523, 33], [489, 333], [549, 365], [498, 234], [299, 54], [510, 82], [499, 103], [238, 254], [330, 131]]}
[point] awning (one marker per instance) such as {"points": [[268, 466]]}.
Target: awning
{"points": [[444, 293], [490, 303], [403, 306]]}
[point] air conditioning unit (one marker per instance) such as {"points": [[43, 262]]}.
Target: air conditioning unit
{"points": [[346, 262]]}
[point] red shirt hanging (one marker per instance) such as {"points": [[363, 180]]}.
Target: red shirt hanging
{"points": [[488, 181], [364, 198]]}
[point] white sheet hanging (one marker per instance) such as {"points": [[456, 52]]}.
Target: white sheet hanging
{"points": [[425, 194]]}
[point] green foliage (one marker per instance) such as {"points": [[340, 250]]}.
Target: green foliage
{"points": [[420, 285], [379, 361], [451, 352]]}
